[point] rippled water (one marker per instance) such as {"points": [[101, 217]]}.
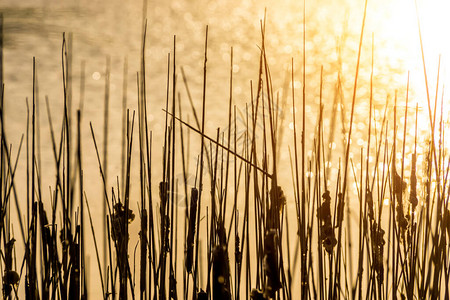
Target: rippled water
{"points": [[113, 29]]}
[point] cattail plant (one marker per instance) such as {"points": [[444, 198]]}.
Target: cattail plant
{"points": [[255, 254]]}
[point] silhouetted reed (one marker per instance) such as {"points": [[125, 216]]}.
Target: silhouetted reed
{"points": [[388, 239]]}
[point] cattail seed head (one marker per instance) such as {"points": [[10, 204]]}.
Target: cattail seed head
{"points": [[327, 232], [378, 242], [191, 230], [221, 273], [271, 263]]}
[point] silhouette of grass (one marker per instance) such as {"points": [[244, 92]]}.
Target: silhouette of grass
{"points": [[401, 252]]}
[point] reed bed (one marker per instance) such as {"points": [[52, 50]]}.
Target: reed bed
{"points": [[237, 227]]}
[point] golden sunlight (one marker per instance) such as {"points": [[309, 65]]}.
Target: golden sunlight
{"points": [[395, 25], [396, 22], [228, 149]]}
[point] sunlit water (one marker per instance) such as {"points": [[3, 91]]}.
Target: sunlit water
{"points": [[113, 29]]}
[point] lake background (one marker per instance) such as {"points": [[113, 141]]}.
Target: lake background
{"points": [[113, 29]]}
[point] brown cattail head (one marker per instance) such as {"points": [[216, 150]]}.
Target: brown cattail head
{"points": [[327, 232], [163, 193], [143, 234], [324, 211], [237, 250], [398, 184], [172, 286], [9, 253], [277, 202], [221, 232], [74, 283], [278, 199], [402, 222], [166, 226], [398, 187], [413, 194], [165, 221], [378, 242], [221, 273], [191, 230], [271, 269], [340, 209], [369, 198], [10, 279], [118, 220]]}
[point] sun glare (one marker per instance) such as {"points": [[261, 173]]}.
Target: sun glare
{"points": [[396, 23], [435, 23]]}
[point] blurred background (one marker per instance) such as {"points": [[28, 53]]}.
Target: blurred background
{"points": [[99, 31]]}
